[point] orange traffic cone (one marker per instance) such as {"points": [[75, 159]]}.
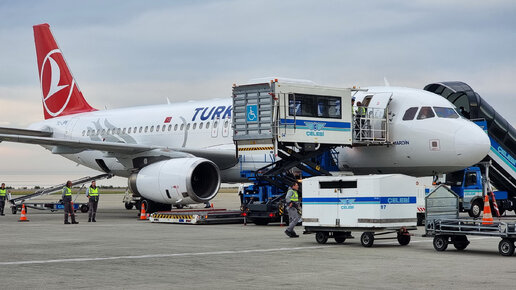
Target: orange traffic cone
{"points": [[143, 215], [487, 218], [23, 217]]}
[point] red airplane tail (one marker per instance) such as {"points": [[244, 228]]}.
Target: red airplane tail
{"points": [[61, 95]]}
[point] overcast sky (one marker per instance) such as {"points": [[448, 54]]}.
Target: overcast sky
{"points": [[128, 53]]}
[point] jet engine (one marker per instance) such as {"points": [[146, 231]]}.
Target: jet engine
{"points": [[177, 181]]}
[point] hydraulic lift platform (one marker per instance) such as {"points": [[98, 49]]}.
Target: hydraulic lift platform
{"points": [[198, 216]]}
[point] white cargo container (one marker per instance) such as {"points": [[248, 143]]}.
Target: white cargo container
{"points": [[334, 206]]}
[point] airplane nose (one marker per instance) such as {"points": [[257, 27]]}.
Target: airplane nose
{"points": [[471, 144]]}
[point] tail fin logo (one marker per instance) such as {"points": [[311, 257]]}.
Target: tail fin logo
{"points": [[57, 89]]}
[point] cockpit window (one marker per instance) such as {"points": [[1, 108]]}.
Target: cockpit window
{"points": [[410, 113], [425, 113], [446, 112]]}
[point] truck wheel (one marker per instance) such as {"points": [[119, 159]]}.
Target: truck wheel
{"points": [[506, 247], [367, 239], [84, 208], [339, 237], [440, 243], [128, 205], [321, 237], [476, 209], [460, 242], [403, 239], [13, 209]]}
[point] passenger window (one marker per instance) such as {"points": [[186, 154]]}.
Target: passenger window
{"points": [[175, 127], [410, 113], [442, 112], [425, 113], [170, 127], [135, 129], [188, 126], [146, 129], [207, 125], [103, 131], [182, 127], [123, 131], [163, 128], [129, 131], [226, 124], [118, 131], [83, 132], [157, 128], [200, 125], [141, 129], [215, 124], [194, 126], [152, 128]]}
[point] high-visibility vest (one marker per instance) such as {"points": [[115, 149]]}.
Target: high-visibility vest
{"points": [[93, 191], [361, 111], [68, 191], [294, 196], [3, 192]]}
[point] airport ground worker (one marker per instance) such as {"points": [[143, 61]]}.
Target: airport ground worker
{"points": [[3, 197], [67, 200], [92, 193], [292, 200]]}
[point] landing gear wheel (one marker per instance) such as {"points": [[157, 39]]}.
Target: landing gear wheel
{"points": [[460, 242], [128, 205], [367, 239], [506, 247], [403, 239], [339, 237], [321, 237], [476, 209], [84, 208], [440, 243]]}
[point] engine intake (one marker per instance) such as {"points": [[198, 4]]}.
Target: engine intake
{"points": [[177, 181]]}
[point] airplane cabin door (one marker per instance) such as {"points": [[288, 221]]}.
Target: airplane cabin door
{"points": [[225, 128], [215, 128], [377, 114]]}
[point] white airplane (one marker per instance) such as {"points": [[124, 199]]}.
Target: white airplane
{"points": [[179, 153]]}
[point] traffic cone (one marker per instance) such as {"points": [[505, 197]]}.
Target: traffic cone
{"points": [[495, 205], [143, 215], [487, 218], [23, 217]]}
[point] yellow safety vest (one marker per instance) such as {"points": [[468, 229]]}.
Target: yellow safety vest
{"points": [[294, 196], [361, 111], [3, 192], [68, 191], [93, 191]]}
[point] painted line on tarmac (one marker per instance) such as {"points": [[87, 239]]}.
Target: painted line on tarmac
{"points": [[162, 255]]}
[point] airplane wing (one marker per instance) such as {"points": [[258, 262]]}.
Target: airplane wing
{"points": [[224, 158]]}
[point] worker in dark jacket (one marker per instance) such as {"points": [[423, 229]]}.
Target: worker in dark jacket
{"points": [[93, 196], [3, 197], [67, 200], [292, 200]]}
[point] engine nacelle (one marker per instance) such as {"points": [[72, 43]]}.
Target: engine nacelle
{"points": [[177, 181]]}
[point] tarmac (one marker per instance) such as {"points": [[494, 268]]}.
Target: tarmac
{"points": [[121, 252]]}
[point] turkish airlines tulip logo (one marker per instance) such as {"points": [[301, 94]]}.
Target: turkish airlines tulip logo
{"points": [[57, 88]]}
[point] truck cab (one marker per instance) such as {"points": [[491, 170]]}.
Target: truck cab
{"points": [[468, 185]]}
